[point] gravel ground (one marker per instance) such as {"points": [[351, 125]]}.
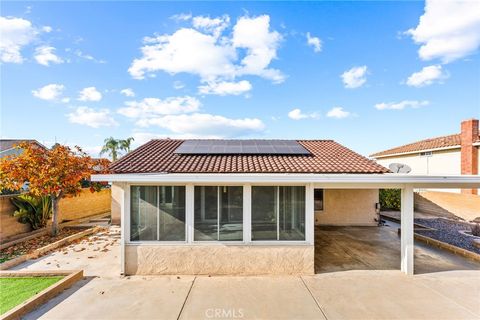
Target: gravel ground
{"points": [[447, 231]]}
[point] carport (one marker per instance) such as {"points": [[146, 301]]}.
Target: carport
{"points": [[407, 184]]}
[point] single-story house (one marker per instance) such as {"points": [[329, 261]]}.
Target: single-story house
{"points": [[249, 206], [453, 154]]}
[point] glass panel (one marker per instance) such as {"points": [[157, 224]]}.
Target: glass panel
{"points": [[264, 213], [318, 199], [231, 213], [206, 213], [171, 213], [143, 217], [291, 213]]}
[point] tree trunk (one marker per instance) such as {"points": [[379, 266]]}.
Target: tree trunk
{"points": [[55, 215]]}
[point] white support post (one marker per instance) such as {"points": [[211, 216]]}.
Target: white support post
{"points": [[247, 213], [309, 214], [406, 238], [124, 223], [189, 211]]}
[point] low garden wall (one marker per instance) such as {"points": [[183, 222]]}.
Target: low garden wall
{"points": [[85, 205]]}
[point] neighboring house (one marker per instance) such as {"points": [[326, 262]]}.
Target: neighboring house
{"points": [[453, 154], [248, 206], [7, 146]]}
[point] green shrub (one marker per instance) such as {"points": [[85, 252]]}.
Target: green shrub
{"points": [[390, 199], [33, 210]]}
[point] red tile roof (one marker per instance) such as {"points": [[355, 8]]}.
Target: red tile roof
{"points": [[452, 140], [327, 156]]}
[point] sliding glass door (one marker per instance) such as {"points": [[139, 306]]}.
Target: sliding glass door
{"points": [[278, 213], [157, 213], [218, 213]]}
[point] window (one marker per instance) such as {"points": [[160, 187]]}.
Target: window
{"points": [[426, 154], [278, 213], [218, 213], [157, 213], [318, 199]]}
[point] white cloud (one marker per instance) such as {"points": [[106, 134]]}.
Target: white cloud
{"points": [[50, 92], [46, 55], [144, 137], [249, 50], [150, 107], [15, 33], [314, 42], [338, 113], [297, 114], [354, 77], [90, 94], [91, 117], [200, 124], [427, 76], [254, 35], [226, 88], [178, 85], [214, 26], [87, 56], [448, 30], [127, 92], [181, 17], [401, 105], [47, 29]]}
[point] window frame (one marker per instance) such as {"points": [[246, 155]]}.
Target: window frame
{"points": [[219, 201], [189, 216], [128, 213], [323, 200], [277, 213]]}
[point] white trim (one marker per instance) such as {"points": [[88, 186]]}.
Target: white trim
{"points": [[321, 180], [219, 243], [476, 144], [406, 234], [414, 152], [247, 213], [309, 214], [189, 212]]}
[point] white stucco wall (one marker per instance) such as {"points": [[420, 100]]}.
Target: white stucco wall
{"points": [[446, 162], [348, 207]]}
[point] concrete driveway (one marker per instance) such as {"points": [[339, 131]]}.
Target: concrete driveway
{"points": [[358, 294]]}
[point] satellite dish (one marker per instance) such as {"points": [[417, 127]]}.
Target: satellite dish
{"points": [[399, 168]]}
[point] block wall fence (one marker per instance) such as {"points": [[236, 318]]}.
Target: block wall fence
{"points": [[85, 205]]}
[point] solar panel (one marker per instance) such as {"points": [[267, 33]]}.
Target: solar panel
{"points": [[283, 147]]}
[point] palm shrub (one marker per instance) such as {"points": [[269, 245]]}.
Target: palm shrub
{"points": [[36, 211], [390, 199]]}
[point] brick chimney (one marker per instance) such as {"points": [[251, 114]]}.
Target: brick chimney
{"points": [[469, 152]]}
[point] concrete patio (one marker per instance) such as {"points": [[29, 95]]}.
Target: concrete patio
{"points": [[355, 294]]}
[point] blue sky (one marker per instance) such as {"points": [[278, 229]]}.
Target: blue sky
{"points": [[238, 70]]}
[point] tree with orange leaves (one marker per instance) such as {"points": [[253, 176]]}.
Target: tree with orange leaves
{"points": [[56, 172]]}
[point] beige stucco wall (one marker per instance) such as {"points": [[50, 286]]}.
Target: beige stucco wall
{"points": [[348, 207], [116, 203], [219, 259]]}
